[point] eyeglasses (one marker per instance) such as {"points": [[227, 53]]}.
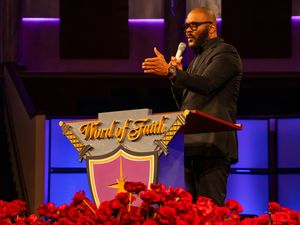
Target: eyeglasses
{"points": [[194, 25]]}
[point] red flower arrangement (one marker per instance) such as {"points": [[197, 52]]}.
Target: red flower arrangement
{"points": [[156, 206]]}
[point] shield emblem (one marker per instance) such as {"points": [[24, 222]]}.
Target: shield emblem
{"points": [[108, 173]]}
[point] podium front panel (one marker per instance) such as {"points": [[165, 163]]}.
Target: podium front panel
{"points": [[171, 167]]}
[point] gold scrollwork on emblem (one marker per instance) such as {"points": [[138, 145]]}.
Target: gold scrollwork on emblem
{"points": [[162, 145], [80, 147]]}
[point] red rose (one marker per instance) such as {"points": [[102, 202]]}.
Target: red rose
{"points": [[73, 213], [48, 210], [249, 221], [65, 221], [147, 211], [127, 218], [18, 206], [78, 198], [274, 207], [234, 215], [158, 187], [167, 215], [180, 206], [5, 221], [33, 220], [150, 222], [188, 218], [233, 205], [151, 197], [221, 212], [280, 218], [105, 209], [135, 187], [113, 221], [85, 220], [263, 219], [179, 194], [226, 222], [115, 204], [295, 216], [185, 196], [204, 206], [123, 197]]}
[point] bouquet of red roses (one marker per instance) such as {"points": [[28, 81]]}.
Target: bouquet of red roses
{"points": [[140, 206]]}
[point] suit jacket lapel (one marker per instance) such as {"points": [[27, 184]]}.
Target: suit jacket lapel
{"points": [[198, 61], [204, 56]]}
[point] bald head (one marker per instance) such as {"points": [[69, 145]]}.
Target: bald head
{"points": [[206, 13]]}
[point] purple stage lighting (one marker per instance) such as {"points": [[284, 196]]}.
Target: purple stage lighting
{"points": [[36, 19]]}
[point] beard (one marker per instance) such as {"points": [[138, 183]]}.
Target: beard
{"points": [[201, 39]]}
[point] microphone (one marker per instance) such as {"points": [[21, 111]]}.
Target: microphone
{"points": [[180, 50]]}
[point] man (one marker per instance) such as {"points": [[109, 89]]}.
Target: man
{"points": [[210, 84]]}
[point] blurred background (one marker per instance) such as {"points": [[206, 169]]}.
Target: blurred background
{"points": [[71, 59]]}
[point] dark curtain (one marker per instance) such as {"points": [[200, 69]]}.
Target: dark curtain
{"points": [[10, 30], [10, 35], [174, 14]]}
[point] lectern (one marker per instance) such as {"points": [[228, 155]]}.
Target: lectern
{"points": [[136, 145]]}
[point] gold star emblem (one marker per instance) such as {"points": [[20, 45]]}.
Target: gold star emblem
{"points": [[120, 181]]}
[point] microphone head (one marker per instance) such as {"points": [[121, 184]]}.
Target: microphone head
{"points": [[182, 46], [180, 50]]}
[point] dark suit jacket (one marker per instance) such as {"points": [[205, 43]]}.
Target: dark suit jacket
{"points": [[211, 84]]}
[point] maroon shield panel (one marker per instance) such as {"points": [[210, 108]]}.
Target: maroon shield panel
{"points": [[108, 173]]}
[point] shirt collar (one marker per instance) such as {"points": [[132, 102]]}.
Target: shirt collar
{"points": [[208, 44]]}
